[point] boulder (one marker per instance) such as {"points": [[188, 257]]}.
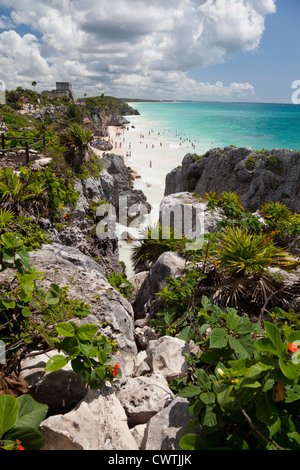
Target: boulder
{"points": [[98, 422], [61, 390], [166, 428], [167, 356], [189, 215], [143, 397], [169, 264], [68, 266]]}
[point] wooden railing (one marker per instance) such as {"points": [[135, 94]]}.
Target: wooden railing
{"points": [[27, 146]]}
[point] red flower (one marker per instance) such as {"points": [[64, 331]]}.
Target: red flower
{"points": [[115, 370], [18, 445], [293, 347]]}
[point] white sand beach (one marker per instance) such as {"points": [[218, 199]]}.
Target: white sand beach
{"points": [[151, 156]]}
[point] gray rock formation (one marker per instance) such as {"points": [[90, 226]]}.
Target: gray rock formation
{"points": [[167, 356], [169, 264], [98, 422], [189, 215], [258, 177], [105, 118], [68, 266], [166, 428], [143, 397]]}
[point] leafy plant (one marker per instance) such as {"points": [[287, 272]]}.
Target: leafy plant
{"points": [[121, 283], [244, 385], [19, 421], [155, 240], [238, 251], [33, 318], [7, 219], [88, 351]]}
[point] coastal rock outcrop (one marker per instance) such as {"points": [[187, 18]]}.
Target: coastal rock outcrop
{"points": [[103, 118], [258, 177]]}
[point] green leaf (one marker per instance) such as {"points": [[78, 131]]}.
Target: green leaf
{"points": [[31, 412], [88, 349], [102, 356], [56, 363], [86, 332], [25, 258], [30, 438], [9, 410], [208, 398], [9, 304], [265, 345], [290, 370], [292, 393], [236, 443], [210, 419], [190, 391], [26, 312], [273, 334], [65, 329], [223, 393], [218, 338], [206, 303], [202, 379], [186, 333], [256, 369], [239, 348], [266, 412], [191, 442], [232, 320], [51, 299]]}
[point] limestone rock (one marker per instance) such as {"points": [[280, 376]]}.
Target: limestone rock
{"points": [[258, 177], [166, 428], [61, 390], [169, 264], [143, 397], [68, 266], [167, 356], [189, 215], [97, 423]]}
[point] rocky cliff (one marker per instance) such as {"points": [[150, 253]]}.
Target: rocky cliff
{"points": [[258, 177]]}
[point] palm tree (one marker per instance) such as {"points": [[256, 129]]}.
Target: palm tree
{"points": [[76, 141]]}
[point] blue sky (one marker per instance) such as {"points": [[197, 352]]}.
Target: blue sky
{"points": [[227, 50], [271, 68]]}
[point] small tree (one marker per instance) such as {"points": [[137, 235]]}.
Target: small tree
{"points": [[76, 141]]}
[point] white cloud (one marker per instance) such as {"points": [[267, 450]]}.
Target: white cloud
{"points": [[130, 47]]}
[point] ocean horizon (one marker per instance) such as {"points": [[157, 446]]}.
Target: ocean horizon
{"points": [[210, 124]]}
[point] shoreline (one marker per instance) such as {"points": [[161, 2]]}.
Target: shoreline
{"points": [[150, 156]]}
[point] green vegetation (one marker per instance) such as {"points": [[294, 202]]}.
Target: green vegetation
{"points": [[35, 319], [243, 380], [120, 282], [155, 240], [19, 421]]}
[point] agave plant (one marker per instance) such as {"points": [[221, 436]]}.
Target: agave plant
{"points": [[238, 271], [76, 141]]}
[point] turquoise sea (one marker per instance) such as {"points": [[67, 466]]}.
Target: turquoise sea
{"points": [[215, 124]]}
